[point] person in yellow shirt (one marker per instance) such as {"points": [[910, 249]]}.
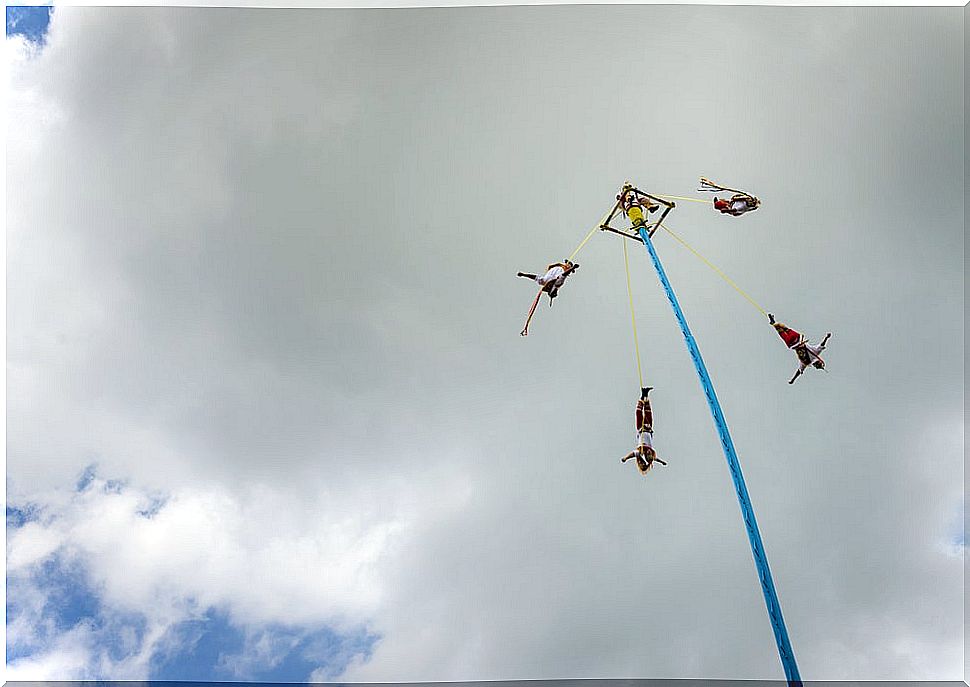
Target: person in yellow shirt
{"points": [[633, 205]]}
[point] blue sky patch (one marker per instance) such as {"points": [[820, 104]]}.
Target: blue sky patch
{"points": [[212, 648], [69, 601], [31, 22], [200, 643], [70, 598], [86, 478], [18, 516]]}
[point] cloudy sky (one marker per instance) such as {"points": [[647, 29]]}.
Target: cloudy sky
{"points": [[269, 416]]}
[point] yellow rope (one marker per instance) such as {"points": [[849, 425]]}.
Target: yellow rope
{"points": [[719, 272], [589, 235], [695, 200], [633, 318]]}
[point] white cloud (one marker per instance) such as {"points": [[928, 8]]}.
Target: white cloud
{"points": [[205, 548], [69, 657], [30, 544]]}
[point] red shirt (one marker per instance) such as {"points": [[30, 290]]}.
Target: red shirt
{"points": [[789, 336]]}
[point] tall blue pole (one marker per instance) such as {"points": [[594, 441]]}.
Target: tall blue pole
{"points": [[747, 512]]}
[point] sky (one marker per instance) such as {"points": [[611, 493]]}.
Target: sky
{"points": [[268, 413], [29, 22]]}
